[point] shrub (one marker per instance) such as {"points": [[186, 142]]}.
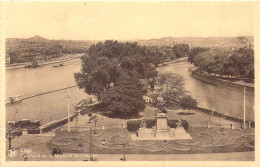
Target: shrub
{"points": [[33, 131], [172, 124]]}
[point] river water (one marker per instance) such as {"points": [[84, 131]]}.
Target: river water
{"points": [[48, 107], [223, 100]]}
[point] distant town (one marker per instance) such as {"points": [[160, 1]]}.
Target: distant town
{"points": [[39, 48]]}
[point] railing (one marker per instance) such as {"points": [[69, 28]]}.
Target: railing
{"points": [[98, 127], [250, 124]]}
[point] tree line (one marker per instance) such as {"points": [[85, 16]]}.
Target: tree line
{"points": [[28, 51], [238, 63]]}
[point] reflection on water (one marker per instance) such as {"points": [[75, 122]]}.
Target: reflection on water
{"points": [[47, 107], [219, 99], [53, 106], [31, 81], [27, 82]]}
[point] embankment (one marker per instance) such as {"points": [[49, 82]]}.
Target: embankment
{"points": [[41, 63], [58, 123], [223, 83]]}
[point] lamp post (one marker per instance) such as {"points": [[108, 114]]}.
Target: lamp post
{"points": [[76, 123], [95, 120], [90, 144], [68, 96], [9, 135], [244, 120]]}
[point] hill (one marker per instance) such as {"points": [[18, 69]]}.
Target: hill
{"points": [[201, 41], [37, 38]]}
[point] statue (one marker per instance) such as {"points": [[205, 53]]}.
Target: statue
{"points": [[143, 124], [179, 123], [160, 102]]}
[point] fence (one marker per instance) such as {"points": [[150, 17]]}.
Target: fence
{"points": [[220, 125], [250, 124], [98, 127]]}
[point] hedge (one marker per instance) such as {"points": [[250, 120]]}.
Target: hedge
{"points": [[33, 131], [133, 125]]}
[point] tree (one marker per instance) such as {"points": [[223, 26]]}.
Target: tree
{"points": [[110, 70], [171, 85], [195, 51], [97, 74], [14, 57], [243, 61], [125, 97], [188, 102], [181, 50]]}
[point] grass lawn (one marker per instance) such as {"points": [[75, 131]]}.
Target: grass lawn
{"points": [[204, 140]]}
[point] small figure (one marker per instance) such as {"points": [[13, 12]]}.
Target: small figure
{"points": [[143, 124], [179, 123]]}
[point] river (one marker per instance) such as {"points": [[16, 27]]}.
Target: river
{"points": [[223, 100], [48, 107], [32, 81]]}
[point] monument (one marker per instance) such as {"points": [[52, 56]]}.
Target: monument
{"points": [[161, 130]]}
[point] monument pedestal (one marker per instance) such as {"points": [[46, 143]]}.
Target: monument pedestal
{"points": [[180, 133], [161, 130], [145, 133], [161, 133]]}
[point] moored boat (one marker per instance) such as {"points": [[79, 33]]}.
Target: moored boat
{"points": [[13, 99]]}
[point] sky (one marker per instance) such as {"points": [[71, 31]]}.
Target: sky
{"points": [[127, 20]]}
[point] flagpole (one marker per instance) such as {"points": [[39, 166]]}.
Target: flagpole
{"points": [[68, 111], [244, 108]]}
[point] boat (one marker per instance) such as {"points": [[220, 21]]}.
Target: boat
{"points": [[83, 103], [13, 99], [34, 64], [60, 65]]}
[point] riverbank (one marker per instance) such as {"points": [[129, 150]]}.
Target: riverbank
{"points": [[223, 83], [41, 63], [214, 95]]}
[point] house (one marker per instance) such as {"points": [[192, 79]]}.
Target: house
{"points": [[7, 59], [150, 98]]}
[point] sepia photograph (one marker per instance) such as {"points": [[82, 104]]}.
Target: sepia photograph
{"points": [[128, 81]]}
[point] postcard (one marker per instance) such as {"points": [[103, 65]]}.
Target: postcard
{"points": [[116, 83]]}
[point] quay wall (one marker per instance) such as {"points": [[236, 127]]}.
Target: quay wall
{"points": [[57, 123], [53, 61], [223, 83]]}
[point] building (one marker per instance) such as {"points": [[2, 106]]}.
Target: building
{"points": [[150, 97], [7, 59]]}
